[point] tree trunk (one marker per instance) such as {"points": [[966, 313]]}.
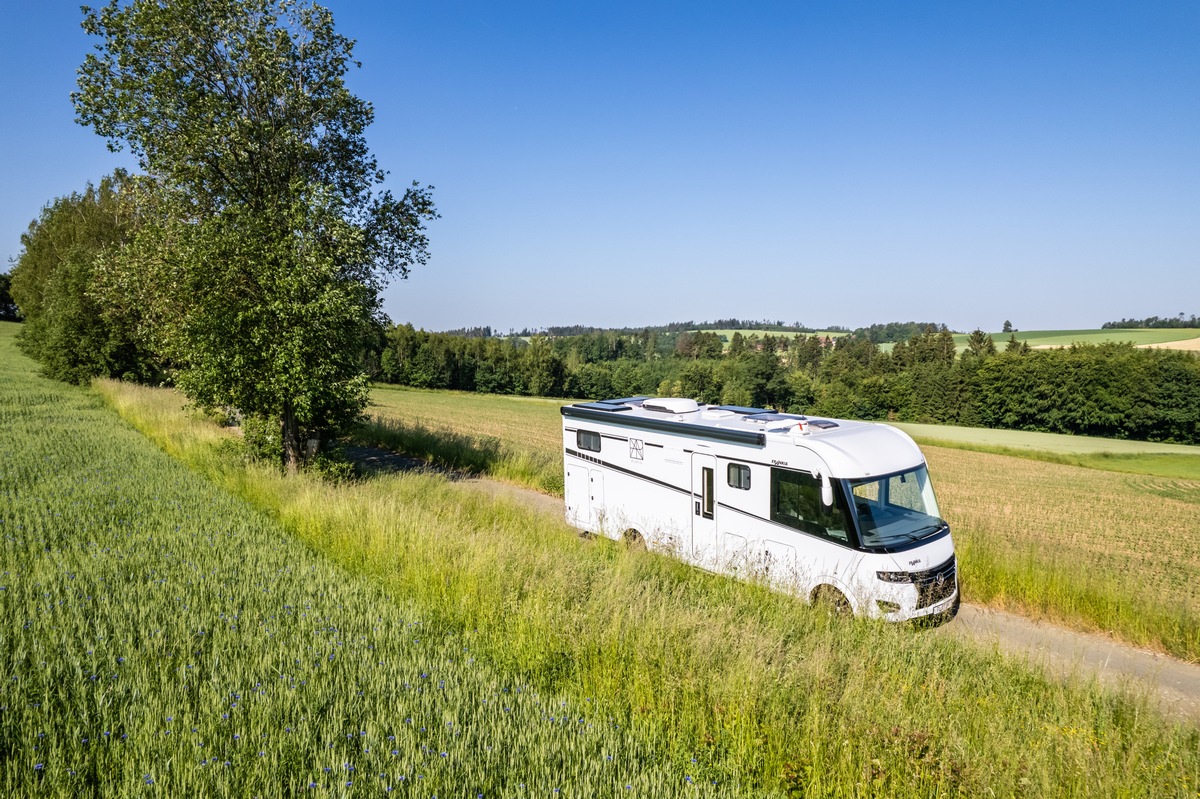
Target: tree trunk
{"points": [[290, 436]]}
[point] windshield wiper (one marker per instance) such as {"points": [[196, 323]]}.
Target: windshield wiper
{"points": [[916, 534]]}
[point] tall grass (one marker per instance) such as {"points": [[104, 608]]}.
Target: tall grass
{"points": [[730, 681], [474, 454], [1095, 550], [159, 637]]}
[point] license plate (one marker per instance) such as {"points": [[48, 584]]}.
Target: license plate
{"points": [[943, 605]]}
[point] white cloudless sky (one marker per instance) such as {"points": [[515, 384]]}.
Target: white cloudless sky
{"points": [[624, 164]]}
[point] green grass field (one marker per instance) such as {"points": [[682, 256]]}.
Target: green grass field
{"points": [[238, 633], [1095, 550], [1065, 338]]}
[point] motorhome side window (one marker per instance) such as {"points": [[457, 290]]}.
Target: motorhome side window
{"points": [[588, 440], [738, 475], [796, 502]]}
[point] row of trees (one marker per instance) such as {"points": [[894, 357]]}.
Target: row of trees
{"points": [[1154, 321], [72, 326], [731, 323], [245, 262], [1112, 390]]}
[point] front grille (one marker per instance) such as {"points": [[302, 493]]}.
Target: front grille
{"points": [[936, 584]]}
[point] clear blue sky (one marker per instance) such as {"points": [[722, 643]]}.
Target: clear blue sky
{"points": [[829, 163]]}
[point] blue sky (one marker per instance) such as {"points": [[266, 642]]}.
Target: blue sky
{"points": [[847, 163]]}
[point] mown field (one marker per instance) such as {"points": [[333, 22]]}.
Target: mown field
{"points": [[221, 630], [1092, 549]]}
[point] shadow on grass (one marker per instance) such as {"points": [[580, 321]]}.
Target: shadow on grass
{"points": [[446, 449]]}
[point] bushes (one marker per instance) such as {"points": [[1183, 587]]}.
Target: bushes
{"points": [[1107, 390], [54, 282]]}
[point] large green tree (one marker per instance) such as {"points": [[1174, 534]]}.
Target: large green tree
{"points": [[267, 236], [69, 329]]}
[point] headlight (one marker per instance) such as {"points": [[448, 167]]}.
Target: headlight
{"points": [[895, 577]]}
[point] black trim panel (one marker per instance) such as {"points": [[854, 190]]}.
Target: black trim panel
{"points": [[605, 406], [750, 437], [741, 409]]}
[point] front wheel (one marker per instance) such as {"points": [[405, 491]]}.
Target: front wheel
{"points": [[832, 601]]}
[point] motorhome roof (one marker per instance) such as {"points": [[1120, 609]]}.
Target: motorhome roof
{"points": [[723, 417], [852, 448]]}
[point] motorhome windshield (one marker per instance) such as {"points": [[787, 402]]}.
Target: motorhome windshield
{"points": [[896, 509]]}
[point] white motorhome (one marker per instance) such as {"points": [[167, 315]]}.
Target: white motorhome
{"points": [[832, 510]]}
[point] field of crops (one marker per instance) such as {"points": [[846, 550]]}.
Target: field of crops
{"points": [[162, 638], [1091, 549]]}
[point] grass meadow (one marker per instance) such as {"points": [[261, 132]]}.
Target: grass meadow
{"points": [[181, 622], [1092, 549]]}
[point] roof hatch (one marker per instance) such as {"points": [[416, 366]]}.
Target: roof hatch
{"points": [[671, 405]]}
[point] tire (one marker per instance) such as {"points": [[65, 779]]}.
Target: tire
{"points": [[633, 539], [832, 601]]}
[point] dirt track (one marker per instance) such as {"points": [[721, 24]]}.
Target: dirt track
{"points": [[1064, 651], [1060, 650]]}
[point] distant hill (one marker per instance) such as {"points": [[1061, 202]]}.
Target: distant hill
{"points": [[676, 327]]}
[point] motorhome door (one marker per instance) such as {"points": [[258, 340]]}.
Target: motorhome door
{"points": [[704, 508]]}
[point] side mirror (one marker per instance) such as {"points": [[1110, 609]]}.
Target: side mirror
{"points": [[826, 491]]}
